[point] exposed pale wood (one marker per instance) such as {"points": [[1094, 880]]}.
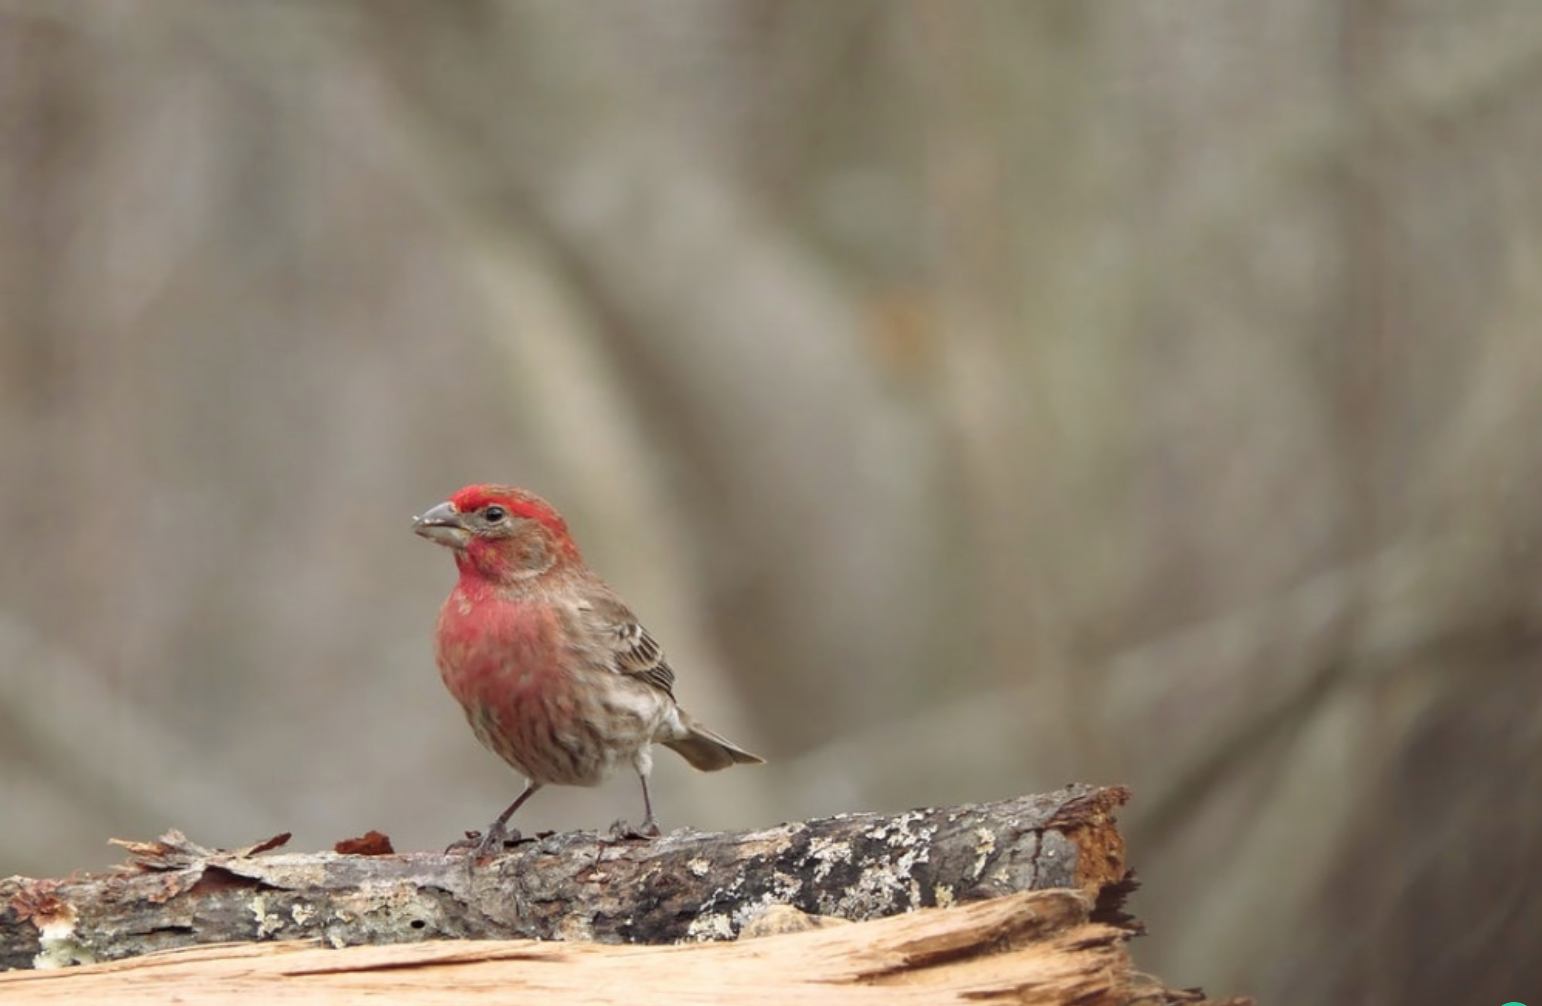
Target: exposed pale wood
{"points": [[1030, 947]]}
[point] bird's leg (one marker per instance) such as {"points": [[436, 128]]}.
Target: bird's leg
{"points": [[642, 761], [649, 829], [497, 834], [650, 825]]}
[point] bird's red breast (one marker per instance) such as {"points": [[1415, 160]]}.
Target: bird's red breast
{"points": [[492, 649], [503, 661]]}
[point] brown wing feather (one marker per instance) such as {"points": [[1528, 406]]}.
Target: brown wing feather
{"points": [[632, 650], [640, 655]]}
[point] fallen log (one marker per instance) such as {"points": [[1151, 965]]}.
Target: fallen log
{"points": [[575, 886], [1019, 898]]}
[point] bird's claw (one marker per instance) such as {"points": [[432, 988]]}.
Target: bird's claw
{"points": [[466, 844], [622, 832], [478, 845]]}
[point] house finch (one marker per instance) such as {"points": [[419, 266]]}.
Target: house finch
{"points": [[555, 674]]}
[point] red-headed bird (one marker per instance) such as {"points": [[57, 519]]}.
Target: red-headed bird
{"points": [[554, 672]]}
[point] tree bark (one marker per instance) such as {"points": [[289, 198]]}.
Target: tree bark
{"points": [[1015, 901], [579, 886]]}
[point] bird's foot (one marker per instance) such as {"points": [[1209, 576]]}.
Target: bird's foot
{"points": [[466, 844], [620, 831], [477, 845]]}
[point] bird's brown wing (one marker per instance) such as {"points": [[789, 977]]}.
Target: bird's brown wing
{"points": [[631, 649]]}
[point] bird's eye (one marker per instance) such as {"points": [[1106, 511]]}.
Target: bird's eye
{"points": [[494, 514]]}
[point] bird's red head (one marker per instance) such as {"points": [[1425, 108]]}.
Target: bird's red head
{"points": [[499, 533]]}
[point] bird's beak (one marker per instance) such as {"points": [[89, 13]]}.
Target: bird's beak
{"points": [[442, 525]]}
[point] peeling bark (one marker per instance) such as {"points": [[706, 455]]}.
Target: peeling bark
{"points": [[685, 886]]}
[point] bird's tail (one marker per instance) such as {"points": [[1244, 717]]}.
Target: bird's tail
{"points": [[706, 750]]}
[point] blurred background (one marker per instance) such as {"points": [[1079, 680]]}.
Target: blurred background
{"points": [[973, 397]]}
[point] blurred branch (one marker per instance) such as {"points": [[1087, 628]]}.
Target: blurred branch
{"points": [[1487, 70], [719, 319], [1414, 601], [64, 718], [1216, 693]]}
